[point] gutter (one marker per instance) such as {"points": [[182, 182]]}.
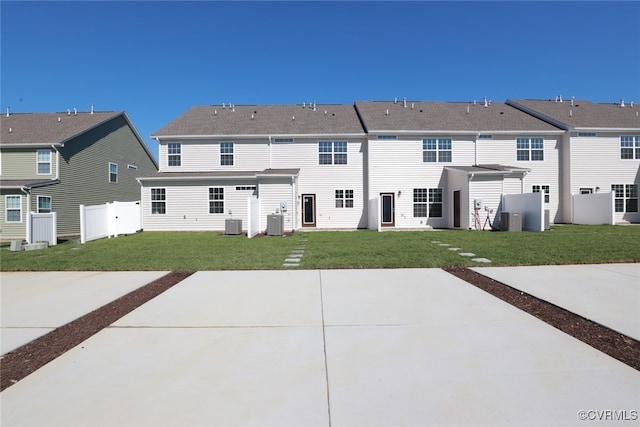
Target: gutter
{"points": [[28, 216], [246, 136]]}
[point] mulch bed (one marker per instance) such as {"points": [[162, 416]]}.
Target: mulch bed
{"points": [[24, 360], [608, 341]]}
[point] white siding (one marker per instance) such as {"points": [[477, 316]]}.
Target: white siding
{"points": [[502, 149], [187, 206], [204, 156], [596, 163], [397, 166], [489, 189], [323, 180], [272, 192]]}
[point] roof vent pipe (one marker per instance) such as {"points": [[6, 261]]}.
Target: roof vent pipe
{"points": [[570, 113], [387, 112], [622, 103], [8, 111], [467, 109], [572, 100], [404, 102], [68, 112], [395, 100], [10, 130], [233, 107], [75, 111], [215, 112], [412, 105], [559, 98], [325, 112], [59, 119], [304, 104], [252, 117], [314, 105], [631, 104], [91, 108], [486, 104], [293, 118]]}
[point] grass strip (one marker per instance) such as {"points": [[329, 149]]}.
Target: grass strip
{"points": [[19, 363]]}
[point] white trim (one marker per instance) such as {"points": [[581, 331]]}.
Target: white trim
{"points": [[266, 135], [38, 204], [117, 173], [38, 162]]}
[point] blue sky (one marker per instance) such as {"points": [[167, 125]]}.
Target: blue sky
{"points": [[155, 60]]}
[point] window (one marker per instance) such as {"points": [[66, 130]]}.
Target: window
{"points": [[435, 203], [44, 162], [113, 172], [387, 137], [332, 152], [420, 202], [216, 200], [530, 149], [626, 197], [44, 204], [226, 154], [174, 151], [158, 201], [14, 208], [630, 147], [344, 198], [427, 202], [436, 150], [542, 188]]}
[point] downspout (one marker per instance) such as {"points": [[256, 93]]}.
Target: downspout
{"points": [[57, 161], [475, 149], [269, 151], [294, 203], [28, 214]]}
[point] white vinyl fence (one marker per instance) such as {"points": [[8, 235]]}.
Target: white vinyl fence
{"points": [[596, 208], [109, 220], [43, 227], [253, 224]]}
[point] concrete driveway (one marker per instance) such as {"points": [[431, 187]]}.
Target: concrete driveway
{"points": [[415, 347]]}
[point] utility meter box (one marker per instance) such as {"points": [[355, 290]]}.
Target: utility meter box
{"points": [[477, 203]]}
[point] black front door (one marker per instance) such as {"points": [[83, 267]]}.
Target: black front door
{"points": [[308, 210]]}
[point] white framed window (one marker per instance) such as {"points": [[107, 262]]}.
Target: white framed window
{"points": [[427, 202], [344, 198], [158, 201], [44, 162], [332, 152], [420, 202], [226, 154], [44, 204], [541, 189], [436, 150], [630, 147], [625, 197], [174, 154], [530, 149], [13, 208], [216, 200], [113, 173]]}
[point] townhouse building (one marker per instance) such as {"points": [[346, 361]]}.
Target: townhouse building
{"points": [[54, 162], [387, 164]]}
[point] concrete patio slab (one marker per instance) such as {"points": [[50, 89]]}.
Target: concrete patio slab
{"points": [[415, 347], [34, 303], [340, 347], [235, 298], [179, 377], [608, 294]]}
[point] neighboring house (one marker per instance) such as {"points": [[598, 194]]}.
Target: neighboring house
{"points": [[305, 162], [54, 162], [428, 162], [600, 150]]}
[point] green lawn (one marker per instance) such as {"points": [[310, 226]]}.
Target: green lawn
{"points": [[568, 244]]}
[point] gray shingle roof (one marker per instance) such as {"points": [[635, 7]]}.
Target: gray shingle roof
{"points": [[446, 116], [46, 129], [267, 120], [26, 183], [582, 114]]}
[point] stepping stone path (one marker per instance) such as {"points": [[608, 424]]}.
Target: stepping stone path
{"points": [[467, 254], [293, 259]]}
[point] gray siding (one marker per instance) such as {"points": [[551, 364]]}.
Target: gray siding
{"points": [[21, 163], [12, 230], [84, 172]]}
